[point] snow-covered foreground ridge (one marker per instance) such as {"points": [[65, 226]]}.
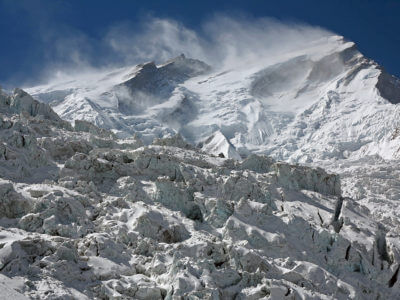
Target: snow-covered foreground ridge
{"points": [[86, 215]]}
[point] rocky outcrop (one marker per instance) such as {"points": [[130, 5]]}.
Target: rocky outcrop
{"points": [[153, 84], [12, 204], [389, 87], [22, 102], [85, 126]]}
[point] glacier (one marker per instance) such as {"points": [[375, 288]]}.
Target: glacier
{"points": [[272, 178]]}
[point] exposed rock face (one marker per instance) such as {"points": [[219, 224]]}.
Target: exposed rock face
{"points": [[84, 215], [389, 87], [153, 84]]}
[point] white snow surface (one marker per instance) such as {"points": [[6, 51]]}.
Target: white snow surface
{"points": [[191, 187]]}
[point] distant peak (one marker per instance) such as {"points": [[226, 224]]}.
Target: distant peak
{"points": [[147, 65], [16, 90], [19, 92], [178, 58]]}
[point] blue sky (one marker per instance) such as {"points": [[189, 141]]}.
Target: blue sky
{"points": [[39, 36]]}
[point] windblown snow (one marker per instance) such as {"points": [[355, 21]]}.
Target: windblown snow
{"points": [[183, 181]]}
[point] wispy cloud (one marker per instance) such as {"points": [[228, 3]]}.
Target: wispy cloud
{"points": [[222, 41], [155, 39]]}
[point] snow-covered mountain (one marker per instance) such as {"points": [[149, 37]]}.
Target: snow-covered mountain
{"points": [[324, 101], [182, 180]]}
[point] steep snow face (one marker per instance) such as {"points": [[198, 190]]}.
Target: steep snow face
{"points": [[218, 143], [319, 103], [324, 101], [110, 218]]}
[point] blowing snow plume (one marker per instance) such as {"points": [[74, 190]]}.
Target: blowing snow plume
{"points": [[222, 41]]}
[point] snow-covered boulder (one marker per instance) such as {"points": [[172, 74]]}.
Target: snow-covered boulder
{"points": [[20, 101], [12, 204]]}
